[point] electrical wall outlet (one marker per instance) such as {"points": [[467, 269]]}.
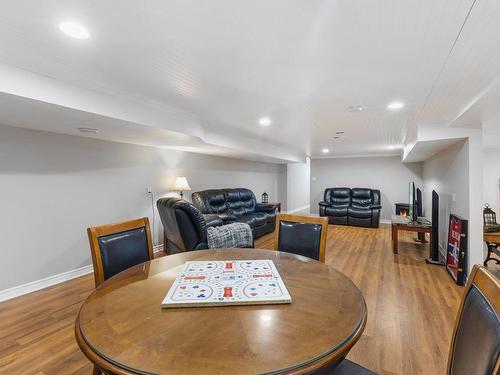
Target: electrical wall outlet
{"points": [[149, 190]]}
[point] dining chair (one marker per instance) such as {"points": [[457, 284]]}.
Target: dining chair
{"points": [[301, 235], [475, 344], [116, 247]]}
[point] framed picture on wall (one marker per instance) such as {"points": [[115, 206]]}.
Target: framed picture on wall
{"points": [[456, 257]]}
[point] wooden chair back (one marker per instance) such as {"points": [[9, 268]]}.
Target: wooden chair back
{"points": [[301, 235], [116, 247], [475, 343]]}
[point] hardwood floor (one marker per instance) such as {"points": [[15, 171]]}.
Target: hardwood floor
{"points": [[411, 310]]}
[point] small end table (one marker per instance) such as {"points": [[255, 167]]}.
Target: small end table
{"points": [[403, 223]]}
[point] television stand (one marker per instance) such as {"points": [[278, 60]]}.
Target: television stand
{"points": [[403, 223]]}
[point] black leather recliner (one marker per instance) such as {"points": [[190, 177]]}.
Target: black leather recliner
{"points": [[237, 205], [359, 207], [184, 225]]}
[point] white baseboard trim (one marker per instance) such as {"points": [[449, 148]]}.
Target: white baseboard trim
{"points": [[298, 209], [33, 286], [158, 248], [385, 221]]}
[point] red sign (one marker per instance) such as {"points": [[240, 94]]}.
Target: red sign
{"points": [[454, 238]]}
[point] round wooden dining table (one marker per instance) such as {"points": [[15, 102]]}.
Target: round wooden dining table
{"points": [[123, 330]]}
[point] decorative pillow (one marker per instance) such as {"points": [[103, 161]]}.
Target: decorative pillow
{"points": [[230, 235]]}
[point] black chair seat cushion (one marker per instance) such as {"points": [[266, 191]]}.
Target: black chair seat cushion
{"points": [[123, 250], [362, 213], [347, 367], [336, 211], [477, 344]]}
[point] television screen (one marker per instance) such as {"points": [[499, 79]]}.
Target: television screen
{"points": [[411, 198]]}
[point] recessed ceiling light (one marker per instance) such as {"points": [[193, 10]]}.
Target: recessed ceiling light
{"points": [[265, 121], [336, 137], [74, 30], [325, 151], [339, 133], [354, 108], [89, 130], [395, 105]]}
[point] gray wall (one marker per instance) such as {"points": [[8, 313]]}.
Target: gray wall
{"points": [[491, 178], [52, 187], [298, 186], [385, 173], [448, 173]]}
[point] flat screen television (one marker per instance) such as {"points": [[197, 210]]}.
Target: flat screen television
{"points": [[434, 259], [418, 212], [411, 200], [418, 203]]}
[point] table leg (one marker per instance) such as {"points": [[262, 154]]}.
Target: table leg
{"points": [[165, 243], [394, 240], [430, 244]]}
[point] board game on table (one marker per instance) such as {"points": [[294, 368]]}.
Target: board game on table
{"points": [[229, 282]]}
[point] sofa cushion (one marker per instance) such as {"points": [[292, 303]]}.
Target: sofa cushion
{"points": [[362, 213], [336, 211], [361, 197], [339, 196], [271, 217], [211, 202], [240, 201], [255, 219]]}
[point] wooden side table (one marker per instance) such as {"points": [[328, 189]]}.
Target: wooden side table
{"points": [[399, 224]]}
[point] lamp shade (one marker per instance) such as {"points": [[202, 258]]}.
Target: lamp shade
{"points": [[181, 184]]}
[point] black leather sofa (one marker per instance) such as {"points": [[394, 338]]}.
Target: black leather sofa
{"points": [[358, 207], [185, 227], [237, 205]]}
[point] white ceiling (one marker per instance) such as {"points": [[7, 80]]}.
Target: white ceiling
{"points": [[211, 69]]}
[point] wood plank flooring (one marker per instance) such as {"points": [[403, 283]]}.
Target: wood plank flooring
{"points": [[411, 310]]}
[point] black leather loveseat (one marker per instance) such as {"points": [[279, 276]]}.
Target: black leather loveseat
{"points": [[237, 205], [359, 207]]}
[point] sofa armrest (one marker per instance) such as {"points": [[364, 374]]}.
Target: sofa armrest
{"points": [[213, 220], [324, 204], [375, 206], [266, 207]]}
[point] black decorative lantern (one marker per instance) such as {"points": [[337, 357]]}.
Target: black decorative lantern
{"points": [[489, 216], [265, 198]]}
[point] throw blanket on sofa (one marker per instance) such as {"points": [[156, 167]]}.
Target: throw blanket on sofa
{"points": [[230, 235]]}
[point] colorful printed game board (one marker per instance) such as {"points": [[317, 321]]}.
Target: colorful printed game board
{"points": [[229, 282]]}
